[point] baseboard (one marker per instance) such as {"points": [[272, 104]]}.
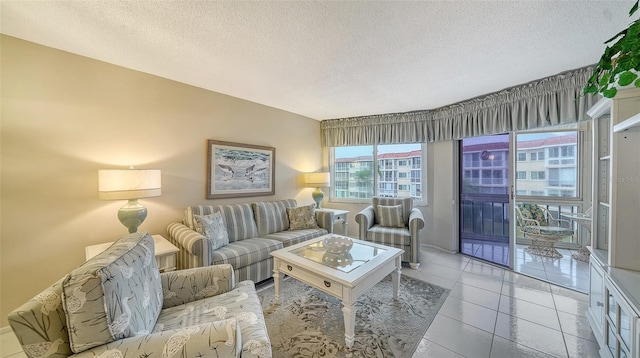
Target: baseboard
{"points": [[5, 329], [439, 248]]}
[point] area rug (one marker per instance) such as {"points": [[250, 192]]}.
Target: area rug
{"points": [[310, 323]]}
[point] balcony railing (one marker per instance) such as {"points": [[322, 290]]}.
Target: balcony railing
{"points": [[490, 221], [485, 164], [561, 183]]}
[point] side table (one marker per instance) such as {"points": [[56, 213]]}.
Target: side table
{"points": [[339, 217], [164, 250], [584, 220]]}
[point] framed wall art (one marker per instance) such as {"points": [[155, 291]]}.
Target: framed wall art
{"points": [[237, 170]]}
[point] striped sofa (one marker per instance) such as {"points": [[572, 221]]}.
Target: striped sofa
{"points": [[377, 225], [255, 230]]}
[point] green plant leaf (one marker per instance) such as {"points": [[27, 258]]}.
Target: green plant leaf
{"points": [[627, 78], [623, 32], [634, 8], [592, 89], [621, 56], [610, 92]]}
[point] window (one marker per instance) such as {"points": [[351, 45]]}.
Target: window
{"points": [[563, 152], [566, 151], [562, 177], [522, 175], [522, 157], [396, 172], [553, 174], [537, 175]]}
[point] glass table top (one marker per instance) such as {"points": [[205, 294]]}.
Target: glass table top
{"points": [[358, 255], [577, 216]]}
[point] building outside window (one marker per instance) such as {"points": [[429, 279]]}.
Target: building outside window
{"points": [[396, 172], [550, 158], [537, 175], [546, 165], [553, 174]]}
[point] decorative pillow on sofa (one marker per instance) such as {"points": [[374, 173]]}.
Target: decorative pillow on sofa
{"points": [[390, 216], [212, 226], [302, 217], [114, 295], [271, 216]]}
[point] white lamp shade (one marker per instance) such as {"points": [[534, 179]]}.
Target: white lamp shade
{"points": [[115, 184], [318, 180]]}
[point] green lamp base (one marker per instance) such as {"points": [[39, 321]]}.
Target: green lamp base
{"points": [[317, 196], [132, 215]]}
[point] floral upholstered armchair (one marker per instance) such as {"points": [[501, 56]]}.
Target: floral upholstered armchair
{"points": [[393, 222], [544, 230], [117, 304]]}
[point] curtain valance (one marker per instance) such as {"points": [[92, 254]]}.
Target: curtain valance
{"points": [[550, 101]]}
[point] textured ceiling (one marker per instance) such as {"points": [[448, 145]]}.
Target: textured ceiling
{"points": [[330, 59]]}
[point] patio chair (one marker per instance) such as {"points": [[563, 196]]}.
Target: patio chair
{"points": [[544, 230]]}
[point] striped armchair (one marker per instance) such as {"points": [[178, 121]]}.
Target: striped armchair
{"points": [[393, 222]]}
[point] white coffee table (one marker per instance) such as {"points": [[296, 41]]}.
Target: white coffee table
{"points": [[346, 277]]}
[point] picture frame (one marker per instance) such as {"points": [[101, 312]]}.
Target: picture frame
{"points": [[239, 170]]}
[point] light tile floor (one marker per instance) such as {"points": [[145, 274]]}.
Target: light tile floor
{"points": [[490, 312], [565, 271], [494, 312]]}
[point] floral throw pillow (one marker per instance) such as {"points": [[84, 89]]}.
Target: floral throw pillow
{"points": [[212, 226], [302, 217]]}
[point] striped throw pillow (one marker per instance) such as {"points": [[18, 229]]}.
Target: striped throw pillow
{"points": [[390, 216]]}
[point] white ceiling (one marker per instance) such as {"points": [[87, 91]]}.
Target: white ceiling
{"points": [[330, 59]]}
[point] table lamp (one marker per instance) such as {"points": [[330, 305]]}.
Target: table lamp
{"points": [[317, 180], [131, 185]]}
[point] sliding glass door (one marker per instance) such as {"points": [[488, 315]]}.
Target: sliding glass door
{"points": [[484, 198]]}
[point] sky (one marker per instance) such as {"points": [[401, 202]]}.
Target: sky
{"points": [[342, 152]]}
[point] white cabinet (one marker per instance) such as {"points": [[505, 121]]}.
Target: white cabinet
{"points": [[616, 180], [601, 204], [595, 313], [620, 327], [637, 338], [614, 294]]}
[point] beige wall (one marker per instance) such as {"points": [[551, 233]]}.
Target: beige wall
{"points": [[65, 116]]}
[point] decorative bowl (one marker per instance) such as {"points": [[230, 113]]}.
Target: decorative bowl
{"points": [[337, 244], [337, 260]]}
